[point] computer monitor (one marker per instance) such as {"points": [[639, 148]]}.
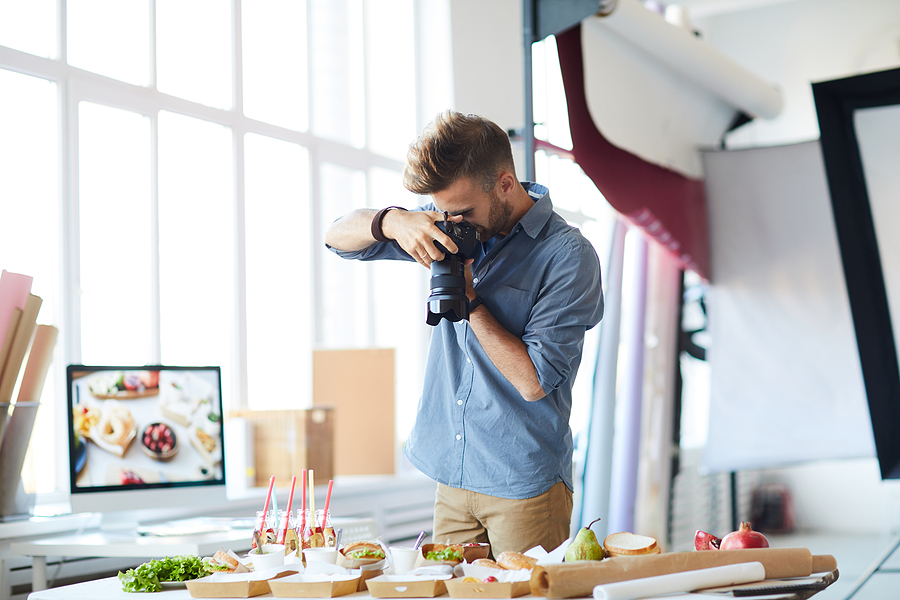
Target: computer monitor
{"points": [[144, 437]]}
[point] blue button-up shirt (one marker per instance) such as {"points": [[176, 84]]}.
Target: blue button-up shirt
{"points": [[473, 429]]}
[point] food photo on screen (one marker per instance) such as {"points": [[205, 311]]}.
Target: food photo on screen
{"points": [[145, 426]]}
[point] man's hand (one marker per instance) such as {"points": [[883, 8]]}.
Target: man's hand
{"points": [[416, 233], [414, 230]]}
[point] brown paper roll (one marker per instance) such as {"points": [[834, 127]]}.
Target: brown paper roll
{"points": [[823, 563], [577, 580]]}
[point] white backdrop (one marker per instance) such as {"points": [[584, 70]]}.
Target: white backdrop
{"points": [[786, 381]]}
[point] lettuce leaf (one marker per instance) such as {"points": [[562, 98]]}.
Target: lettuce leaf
{"points": [[148, 576], [449, 553]]}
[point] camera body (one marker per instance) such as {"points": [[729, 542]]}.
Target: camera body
{"points": [[447, 299]]}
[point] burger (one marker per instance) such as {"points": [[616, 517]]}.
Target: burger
{"points": [[368, 551]]}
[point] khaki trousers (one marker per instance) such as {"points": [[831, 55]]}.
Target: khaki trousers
{"points": [[461, 516]]}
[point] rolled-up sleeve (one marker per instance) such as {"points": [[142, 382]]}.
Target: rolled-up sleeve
{"points": [[569, 302]]}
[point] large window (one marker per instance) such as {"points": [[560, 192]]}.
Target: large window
{"points": [[167, 170]]}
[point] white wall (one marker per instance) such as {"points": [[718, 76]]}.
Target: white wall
{"points": [[793, 44]]}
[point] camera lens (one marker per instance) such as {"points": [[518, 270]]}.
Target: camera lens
{"points": [[448, 276], [448, 291]]}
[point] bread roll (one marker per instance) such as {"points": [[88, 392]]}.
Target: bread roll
{"points": [[515, 561], [626, 543], [486, 562]]}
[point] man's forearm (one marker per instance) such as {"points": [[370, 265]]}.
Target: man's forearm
{"points": [[508, 353], [353, 231]]}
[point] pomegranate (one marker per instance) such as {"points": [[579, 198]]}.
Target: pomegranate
{"points": [[744, 537], [706, 541]]}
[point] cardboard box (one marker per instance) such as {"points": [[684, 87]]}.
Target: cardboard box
{"points": [[359, 384], [457, 588], [300, 586], [395, 586], [287, 441], [204, 588]]}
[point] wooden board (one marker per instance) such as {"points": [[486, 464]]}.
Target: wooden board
{"points": [[287, 441], [359, 384]]}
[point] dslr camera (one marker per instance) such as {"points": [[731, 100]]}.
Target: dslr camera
{"points": [[448, 276]]}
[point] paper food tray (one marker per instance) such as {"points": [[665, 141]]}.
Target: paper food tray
{"points": [[396, 586], [300, 586], [460, 589], [207, 588]]}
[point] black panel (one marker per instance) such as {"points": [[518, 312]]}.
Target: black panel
{"points": [[836, 102]]}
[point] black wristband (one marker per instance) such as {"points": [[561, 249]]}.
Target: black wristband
{"points": [[475, 303], [377, 233]]}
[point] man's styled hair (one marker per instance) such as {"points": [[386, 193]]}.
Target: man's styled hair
{"points": [[455, 145]]}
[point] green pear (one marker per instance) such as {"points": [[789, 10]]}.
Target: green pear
{"points": [[585, 546]]}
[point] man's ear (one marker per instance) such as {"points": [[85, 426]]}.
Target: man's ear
{"points": [[507, 182]]}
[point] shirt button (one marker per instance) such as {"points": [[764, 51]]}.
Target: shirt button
{"points": [[474, 280], [459, 402], [459, 437], [468, 360]]}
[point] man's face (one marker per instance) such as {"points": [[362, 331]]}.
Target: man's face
{"points": [[486, 211]]}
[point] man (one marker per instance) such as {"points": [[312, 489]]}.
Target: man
{"points": [[492, 426]]}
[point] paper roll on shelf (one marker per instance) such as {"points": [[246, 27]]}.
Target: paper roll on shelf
{"points": [[687, 581], [686, 54]]}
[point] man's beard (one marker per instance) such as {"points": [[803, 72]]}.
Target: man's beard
{"points": [[498, 217]]}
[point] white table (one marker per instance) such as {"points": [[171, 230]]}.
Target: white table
{"points": [[114, 545]]}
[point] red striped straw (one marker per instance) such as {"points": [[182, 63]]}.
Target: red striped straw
{"points": [[327, 502], [287, 518], [266, 507]]}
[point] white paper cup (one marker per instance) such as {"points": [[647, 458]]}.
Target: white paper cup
{"points": [[404, 559], [272, 556], [328, 555]]}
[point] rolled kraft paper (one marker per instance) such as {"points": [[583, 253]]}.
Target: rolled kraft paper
{"points": [[577, 580], [823, 563], [686, 581]]}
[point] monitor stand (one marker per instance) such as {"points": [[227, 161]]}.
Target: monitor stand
{"points": [[123, 523]]}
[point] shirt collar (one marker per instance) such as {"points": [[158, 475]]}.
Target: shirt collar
{"points": [[537, 216]]}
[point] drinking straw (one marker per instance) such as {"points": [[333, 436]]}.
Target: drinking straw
{"points": [[327, 502], [312, 501], [274, 507], [262, 526], [419, 540], [302, 501], [287, 519]]}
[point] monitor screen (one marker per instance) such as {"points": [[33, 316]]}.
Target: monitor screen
{"points": [[144, 428]]}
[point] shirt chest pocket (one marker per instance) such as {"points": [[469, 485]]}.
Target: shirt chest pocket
{"points": [[511, 307]]}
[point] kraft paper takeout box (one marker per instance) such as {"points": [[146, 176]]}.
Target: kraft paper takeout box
{"points": [[304, 586], [457, 588], [406, 586], [370, 567], [213, 586], [511, 584]]}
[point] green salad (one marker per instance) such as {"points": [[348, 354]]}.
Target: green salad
{"points": [[149, 576], [450, 553]]}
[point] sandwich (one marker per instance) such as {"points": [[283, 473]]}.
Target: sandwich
{"points": [[369, 551], [629, 544], [222, 562], [449, 554]]}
